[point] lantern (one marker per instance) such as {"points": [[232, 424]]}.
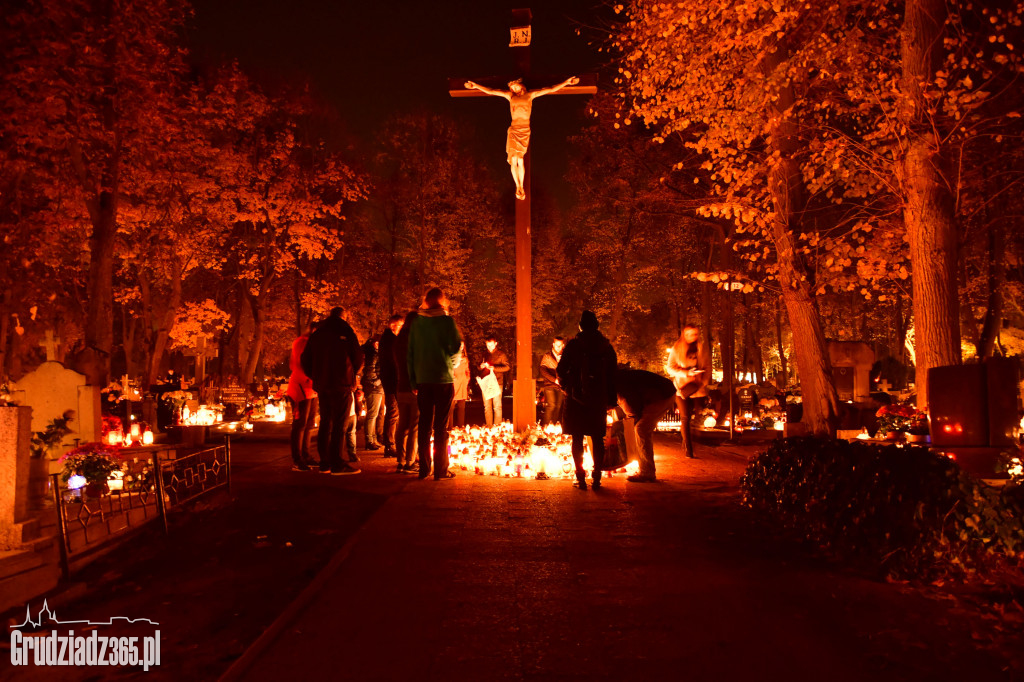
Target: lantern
{"points": [[710, 422], [135, 431], [147, 437], [114, 438], [75, 482]]}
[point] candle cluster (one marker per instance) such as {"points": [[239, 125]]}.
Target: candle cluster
{"points": [[539, 453]]}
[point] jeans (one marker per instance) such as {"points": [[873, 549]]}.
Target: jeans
{"points": [[303, 420], [351, 423], [390, 421], [646, 424], [435, 404], [408, 428], [577, 455], [553, 399], [334, 415], [492, 411], [373, 405], [685, 406]]}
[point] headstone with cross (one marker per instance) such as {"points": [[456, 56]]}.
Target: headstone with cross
{"points": [[50, 343], [884, 386], [523, 392]]}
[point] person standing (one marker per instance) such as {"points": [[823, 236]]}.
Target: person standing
{"points": [[406, 435], [460, 372], [304, 404], [689, 366], [644, 396], [434, 341], [388, 372], [587, 372], [373, 392], [332, 359], [553, 393], [496, 362]]}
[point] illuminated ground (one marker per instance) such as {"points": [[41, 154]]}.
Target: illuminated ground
{"points": [[383, 577]]}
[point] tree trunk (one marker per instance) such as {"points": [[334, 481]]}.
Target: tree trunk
{"points": [[993, 320], [785, 186], [783, 370], [166, 323], [929, 210], [256, 304]]}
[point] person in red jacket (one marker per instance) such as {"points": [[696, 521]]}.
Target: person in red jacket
{"points": [[304, 405]]}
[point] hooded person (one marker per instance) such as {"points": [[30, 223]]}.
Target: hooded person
{"points": [[587, 374], [332, 359]]}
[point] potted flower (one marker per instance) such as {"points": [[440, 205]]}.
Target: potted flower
{"points": [[42, 444], [94, 462], [917, 431], [894, 419]]}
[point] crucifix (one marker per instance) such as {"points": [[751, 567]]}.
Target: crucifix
{"points": [[520, 97]]}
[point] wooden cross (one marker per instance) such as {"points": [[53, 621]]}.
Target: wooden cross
{"points": [[524, 408]]}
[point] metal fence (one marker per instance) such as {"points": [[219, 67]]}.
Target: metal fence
{"points": [[150, 488]]}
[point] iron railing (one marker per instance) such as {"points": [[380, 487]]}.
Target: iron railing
{"points": [[88, 519]]}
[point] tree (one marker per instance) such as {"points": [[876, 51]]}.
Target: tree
{"points": [[722, 75], [86, 87]]}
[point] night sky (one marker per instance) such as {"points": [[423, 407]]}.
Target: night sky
{"points": [[377, 59]]}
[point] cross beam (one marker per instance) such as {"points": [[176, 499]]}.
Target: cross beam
{"points": [[524, 410]]}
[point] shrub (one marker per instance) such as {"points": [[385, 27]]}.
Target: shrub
{"points": [[905, 511]]}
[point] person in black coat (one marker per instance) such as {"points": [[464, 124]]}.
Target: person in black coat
{"points": [[587, 373], [644, 396], [388, 372], [332, 359], [373, 394], [407, 432]]}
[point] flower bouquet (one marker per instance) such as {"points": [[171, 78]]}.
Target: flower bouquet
{"points": [[894, 419], [90, 465]]}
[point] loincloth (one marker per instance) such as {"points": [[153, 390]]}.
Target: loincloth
{"points": [[518, 141]]}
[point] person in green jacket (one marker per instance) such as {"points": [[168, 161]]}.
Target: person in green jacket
{"points": [[434, 341]]}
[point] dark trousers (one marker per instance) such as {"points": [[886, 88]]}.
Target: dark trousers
{"points": [[577, 455], [685, 406], [303, 420], [390, 421], [553, 399], [457, 417], [374, 401], [334, 411], [435, 404], [408, 428]]}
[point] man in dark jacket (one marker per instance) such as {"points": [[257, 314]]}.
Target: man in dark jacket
{"points": [[644, 396], [497, 362], [587, 373], [332, 359], [373, 393], [388, 371], [434, 342], [553, 393], [406, 435]]}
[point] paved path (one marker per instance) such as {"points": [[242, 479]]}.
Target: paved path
{"points": [[485, 578]]}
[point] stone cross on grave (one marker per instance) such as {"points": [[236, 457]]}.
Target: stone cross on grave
{"points": [[884, 385], [520, 90], [50, 343]]}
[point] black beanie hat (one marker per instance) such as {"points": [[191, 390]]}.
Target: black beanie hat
{"points": [[588, 321]]}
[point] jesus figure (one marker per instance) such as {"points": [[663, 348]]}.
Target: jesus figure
{"points": [[521, 103]]}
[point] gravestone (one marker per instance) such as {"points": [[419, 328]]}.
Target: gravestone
{"points": [[53, 389], [851, 369], [15, 435]]}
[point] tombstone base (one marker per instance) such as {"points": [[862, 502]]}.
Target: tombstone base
{"points": [[15, 432]]}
